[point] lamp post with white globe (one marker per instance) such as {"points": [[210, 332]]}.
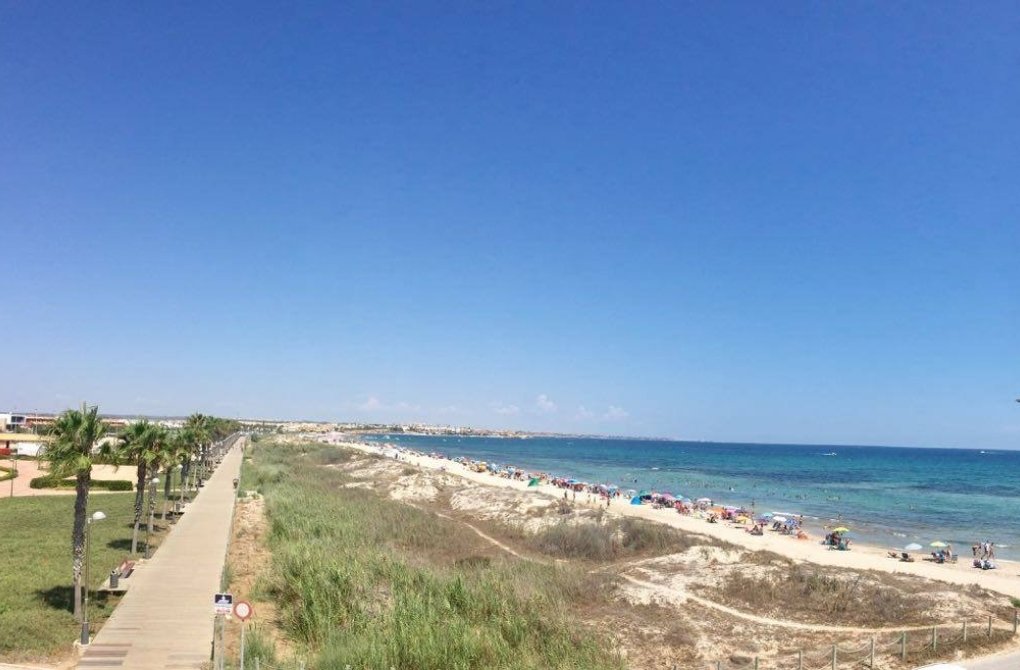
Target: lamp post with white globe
{"points": [[96, 516]]}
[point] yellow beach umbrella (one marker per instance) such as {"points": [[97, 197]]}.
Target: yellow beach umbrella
{"points": [[938, 543], [841, 529]]}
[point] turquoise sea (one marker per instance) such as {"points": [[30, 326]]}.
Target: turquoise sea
{"points": [[889, 496]]}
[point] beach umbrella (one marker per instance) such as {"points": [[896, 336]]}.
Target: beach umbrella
{"points": [[938, 543], [841, 529], [913, 546], [533, 482], [767, 515], [780, 519], [704, 500], [636, 500]]}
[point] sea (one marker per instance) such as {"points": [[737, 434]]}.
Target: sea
{"points": [[887, 496]]}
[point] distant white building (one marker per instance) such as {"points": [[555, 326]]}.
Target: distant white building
{"points": [[10, 422]]}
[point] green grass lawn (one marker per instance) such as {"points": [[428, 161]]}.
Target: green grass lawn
{"points": [[36, 617]]}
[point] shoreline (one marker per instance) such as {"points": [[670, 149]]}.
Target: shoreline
{"points": [[1005, 579]]}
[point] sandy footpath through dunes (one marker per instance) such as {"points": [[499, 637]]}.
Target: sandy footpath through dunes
{"points": [[1006, 579]]}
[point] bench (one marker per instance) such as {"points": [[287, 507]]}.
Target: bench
{"points": [[126, 568]]}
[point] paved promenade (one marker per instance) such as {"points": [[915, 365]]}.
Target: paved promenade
{"points": [[165, 621]]}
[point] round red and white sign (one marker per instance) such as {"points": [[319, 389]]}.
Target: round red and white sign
{"points": [[242, 610]]}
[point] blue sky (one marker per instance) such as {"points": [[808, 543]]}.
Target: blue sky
{"points": [[725, 221]]}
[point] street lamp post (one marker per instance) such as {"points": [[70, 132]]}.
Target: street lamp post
{"points": [[179, 469], [152, 511], [96, 516], [14, 467]]}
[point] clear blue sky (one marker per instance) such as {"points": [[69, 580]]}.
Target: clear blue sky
{"points": [[726, 221]]}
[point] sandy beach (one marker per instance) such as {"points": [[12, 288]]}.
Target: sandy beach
{"points": [[1005, 579]]}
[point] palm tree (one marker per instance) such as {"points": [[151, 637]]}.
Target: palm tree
{"points": [[187, 444], [200, 426], [139, 447], [175, 451], [70, 453], [160, 443]]}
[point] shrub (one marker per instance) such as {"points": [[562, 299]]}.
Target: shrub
{"points": [[47, 482], [259, 645], [844, 598], [608, 541], [585, 540]]}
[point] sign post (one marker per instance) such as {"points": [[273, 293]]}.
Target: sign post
{"points": [[243, 611], [223, 605]]}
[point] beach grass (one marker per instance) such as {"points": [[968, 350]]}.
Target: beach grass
{"points": [[36, 617], [611, 540], [866, 598], [364, 581]]}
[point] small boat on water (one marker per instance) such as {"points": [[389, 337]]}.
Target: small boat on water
{"points": [[831, 453]]}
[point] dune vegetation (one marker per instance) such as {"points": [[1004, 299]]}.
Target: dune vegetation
{"points": [[364, 581]]}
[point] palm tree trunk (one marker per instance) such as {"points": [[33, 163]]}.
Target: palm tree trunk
{"points": [[184, 480], [139, 497], [152, 505], [166, 488], [81, 504]]}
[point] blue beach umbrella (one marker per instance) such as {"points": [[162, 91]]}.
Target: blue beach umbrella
{"points": [[636, 500]]}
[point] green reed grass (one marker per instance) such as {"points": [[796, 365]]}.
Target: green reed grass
{"points": [[364, 581]]}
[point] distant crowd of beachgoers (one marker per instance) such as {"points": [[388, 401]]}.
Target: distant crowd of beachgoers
{"points": [[605, 494]]}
